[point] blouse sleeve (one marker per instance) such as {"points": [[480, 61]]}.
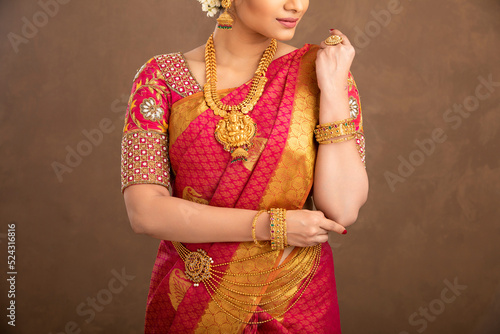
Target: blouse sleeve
{"points": [[144, 157], [355, 108]]}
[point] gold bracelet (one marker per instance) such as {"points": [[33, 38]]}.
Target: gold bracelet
{"points": [[272, 227], [285, 238], [335, 129], [336, 132], [283, 228], [253, 228], [342, 121], [278, 228], [339, 140]]}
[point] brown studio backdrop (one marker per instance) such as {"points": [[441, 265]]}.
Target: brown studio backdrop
{"points": [[436, 227]]}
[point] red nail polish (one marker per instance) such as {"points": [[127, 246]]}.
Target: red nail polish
{"points": [[332, 29], [345, 232]]}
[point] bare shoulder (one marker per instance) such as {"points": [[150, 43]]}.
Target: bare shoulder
{"points": [[196, 63], [196, 54], [284, 49]]}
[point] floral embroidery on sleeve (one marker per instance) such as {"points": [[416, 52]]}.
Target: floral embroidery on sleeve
{"points": [[151, 110], [149, 101], [355, 108], [145, 138]]}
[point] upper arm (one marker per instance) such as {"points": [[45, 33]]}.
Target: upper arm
{"points": [[137, 196]]}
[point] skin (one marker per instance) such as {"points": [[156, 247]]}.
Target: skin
{"points": [[340, 181]]}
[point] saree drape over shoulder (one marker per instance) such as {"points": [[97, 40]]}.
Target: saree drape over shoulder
{"points": [[169, 140]]}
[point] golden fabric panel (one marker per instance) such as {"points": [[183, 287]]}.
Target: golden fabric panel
{"points": [[178, 286], [259, 144], [190, 194], [295, 171], [185, 111]]}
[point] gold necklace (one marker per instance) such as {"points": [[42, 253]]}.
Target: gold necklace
{"points": [[236, 129]]}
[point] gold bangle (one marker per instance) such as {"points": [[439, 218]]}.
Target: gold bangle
{"points": [[278, 228], [339, 140], [285, 237], [348, 120], [272, 225], [335, 129], [253, 228], [335, 134]]}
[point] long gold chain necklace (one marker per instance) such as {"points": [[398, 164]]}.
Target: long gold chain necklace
{"points": [[236, 129]]}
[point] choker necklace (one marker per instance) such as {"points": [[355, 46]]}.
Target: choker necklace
{"points": [[236, 129]]}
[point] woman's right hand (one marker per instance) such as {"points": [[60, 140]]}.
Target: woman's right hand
{"points": [[309, 228]]}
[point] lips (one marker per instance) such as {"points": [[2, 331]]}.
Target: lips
{"points": [[288, 22]]}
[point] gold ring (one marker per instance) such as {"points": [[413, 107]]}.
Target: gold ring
{"points": [[333, 40]]}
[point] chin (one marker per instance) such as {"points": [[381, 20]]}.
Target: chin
{"points": [[286, 37], [283, 35]]}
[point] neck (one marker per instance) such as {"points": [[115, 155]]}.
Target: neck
{"points": [[236, 47]]}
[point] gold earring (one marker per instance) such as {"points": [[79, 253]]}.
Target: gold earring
{"points": [[225, 21]]}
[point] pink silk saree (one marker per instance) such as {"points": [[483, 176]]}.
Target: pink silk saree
{"points": [[169, 140]]}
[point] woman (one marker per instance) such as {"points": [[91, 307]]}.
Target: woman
{"points": [[241, 249]]}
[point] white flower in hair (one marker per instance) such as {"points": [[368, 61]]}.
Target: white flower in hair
{"points": [[210, 6]]}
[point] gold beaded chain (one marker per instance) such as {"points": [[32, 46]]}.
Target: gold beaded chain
{"points": [[236, 130], [258, 82], [303, 287], [200, 268]]}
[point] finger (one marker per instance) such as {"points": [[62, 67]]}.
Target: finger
{"points": [[336, 32], [345, 40], [323, 44], [330, 225], [322, 231], [322, 239]]}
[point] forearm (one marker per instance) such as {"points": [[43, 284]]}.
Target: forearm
{"points": [[340, 179], [176, 219]]}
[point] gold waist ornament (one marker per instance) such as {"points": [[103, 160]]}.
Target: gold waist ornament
{"points": [[236, 129], [224, 287]]}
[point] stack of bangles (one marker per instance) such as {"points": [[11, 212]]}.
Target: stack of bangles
{"points": [[336, 132], [277, 226]]}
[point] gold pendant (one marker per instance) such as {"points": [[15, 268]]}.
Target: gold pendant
{"points": [[235, 132], [197, 266]]}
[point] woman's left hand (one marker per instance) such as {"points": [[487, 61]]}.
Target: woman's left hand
{"points": [[333, 64]]}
